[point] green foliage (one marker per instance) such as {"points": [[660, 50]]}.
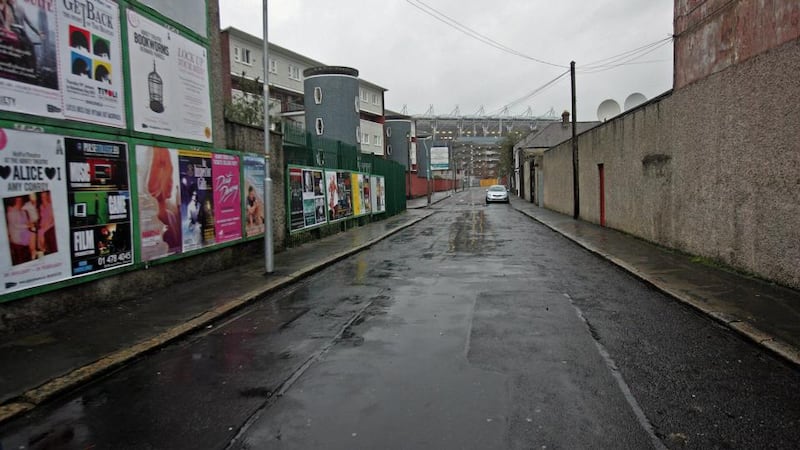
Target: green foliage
{"points": [[506, 161], [247, 108]]}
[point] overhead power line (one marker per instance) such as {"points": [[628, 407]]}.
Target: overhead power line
{"points": [[625, 61], [449, 21], [533, 93], [621, 59]]}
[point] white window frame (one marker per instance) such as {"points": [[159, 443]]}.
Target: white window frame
{"points": [[389, 149], [358, 105], [376, 139], [388, 131], [365, 139], [246, 57], [364, 96], [358, 134], [236, 54], [318, 95], [294, 72], [374, 98], [273, 66], [319, 126]]}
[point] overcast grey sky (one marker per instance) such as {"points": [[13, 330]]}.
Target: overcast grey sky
{"points": [[422, 61]]}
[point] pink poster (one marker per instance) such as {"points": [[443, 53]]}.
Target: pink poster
{"points": [[227, 197]]}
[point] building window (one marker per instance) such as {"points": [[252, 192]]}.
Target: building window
{"points": [[273, 66], [374, 99], [365, 139], [389, 149], [363, 95], [376, 139], [294, 72], [242, 55], [388, 131], [358, 105], [358, 134], [320, 126], [318, 95]]}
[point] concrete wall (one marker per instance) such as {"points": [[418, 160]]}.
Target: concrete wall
{"points": [[712, 169], [711, 35]]}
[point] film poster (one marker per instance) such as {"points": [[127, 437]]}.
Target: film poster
{"points": [[159, 197], [227, 197], [254, 174], [36, 248], [197, 199], [99, 205]]}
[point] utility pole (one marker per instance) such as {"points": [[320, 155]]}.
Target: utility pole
{"points": [[575, 188], [268, 250]]}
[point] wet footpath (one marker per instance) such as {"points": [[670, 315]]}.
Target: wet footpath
{"points": [[763, 312], [38, 365]]}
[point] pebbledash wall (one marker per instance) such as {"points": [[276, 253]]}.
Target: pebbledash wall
{"points": [[712, 169]]}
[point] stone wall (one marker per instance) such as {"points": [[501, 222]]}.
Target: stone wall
{"points": [[712, 169]]}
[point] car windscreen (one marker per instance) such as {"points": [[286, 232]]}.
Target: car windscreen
{"points": [[497, 188]]}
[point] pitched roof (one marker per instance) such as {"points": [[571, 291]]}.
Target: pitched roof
{"points": [[553, 134]]}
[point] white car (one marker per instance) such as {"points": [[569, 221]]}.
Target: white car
{"points": [[497, 193]]}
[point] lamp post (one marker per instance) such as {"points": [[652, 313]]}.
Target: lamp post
{"points": [[268, 249], [427, 164]]}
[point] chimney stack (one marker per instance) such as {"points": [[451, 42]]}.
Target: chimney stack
{"points": [[565, 119]]}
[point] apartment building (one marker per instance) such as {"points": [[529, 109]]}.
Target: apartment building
{"points": [[242, 52]]}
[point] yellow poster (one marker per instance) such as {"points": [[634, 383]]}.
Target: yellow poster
{"points": [[356, 189]]}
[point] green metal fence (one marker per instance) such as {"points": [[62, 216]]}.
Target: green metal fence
{"points": [[307, 149]]}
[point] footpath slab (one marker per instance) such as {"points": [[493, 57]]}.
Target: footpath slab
{"points": [[60, 356], [765, 313]]}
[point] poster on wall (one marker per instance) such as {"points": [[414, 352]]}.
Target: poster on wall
{"points": [[313, 197], [169, 81], [355, 192], [296, 217], [99, 205], [306, 198], [159, 197], [366, 194], [29, 80], [378, 194], [340, 201], [254, 174], [227, 197], [91, 61], [35, 221], [197, 199]]}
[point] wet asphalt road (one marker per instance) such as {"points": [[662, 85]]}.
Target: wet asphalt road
{"points": [[476, 328]]}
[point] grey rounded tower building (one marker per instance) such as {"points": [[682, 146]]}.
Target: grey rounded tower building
{"points": [[332, 104]]}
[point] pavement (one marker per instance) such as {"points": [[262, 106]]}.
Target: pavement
{"points": [[41, 364], [763, 312]]}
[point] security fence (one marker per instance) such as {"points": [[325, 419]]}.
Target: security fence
{"points": [[332, 185]]}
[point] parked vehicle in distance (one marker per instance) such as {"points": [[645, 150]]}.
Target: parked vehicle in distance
{"points": [[497, 193]]}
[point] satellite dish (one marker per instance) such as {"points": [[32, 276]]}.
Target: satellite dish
{"points": [[634, 100], [608, 109]]}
